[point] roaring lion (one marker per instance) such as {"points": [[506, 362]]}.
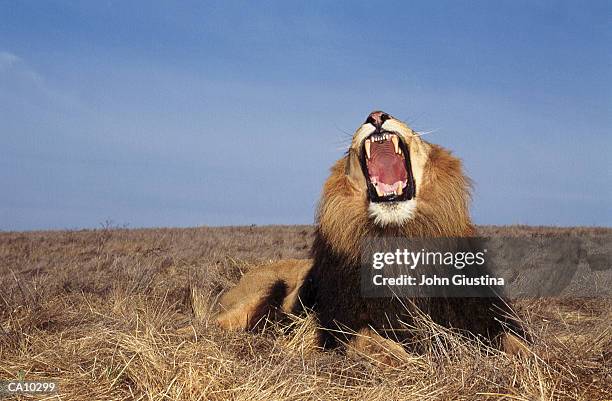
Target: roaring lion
{"points": [[389, 183]]}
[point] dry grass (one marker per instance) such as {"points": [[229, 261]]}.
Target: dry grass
{"points": [[126, 314]]}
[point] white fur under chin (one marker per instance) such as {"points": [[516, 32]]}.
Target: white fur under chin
{"points": [[395, 213]]}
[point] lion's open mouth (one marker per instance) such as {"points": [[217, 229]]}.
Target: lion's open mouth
{"points": [[385, 161]]}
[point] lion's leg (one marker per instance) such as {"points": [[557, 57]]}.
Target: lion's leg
{"points": [[377, 348], [246, 312], [263, 291], [243, 316], [292, 299]]}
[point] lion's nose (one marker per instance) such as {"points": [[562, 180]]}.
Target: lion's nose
{"points": [[377, 118]]}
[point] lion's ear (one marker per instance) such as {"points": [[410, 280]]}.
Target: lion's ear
{"points": [[352, 169]]}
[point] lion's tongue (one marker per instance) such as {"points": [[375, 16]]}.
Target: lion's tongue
{"points": [[386, 167]]}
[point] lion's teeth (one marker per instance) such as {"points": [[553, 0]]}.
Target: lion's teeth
{"points": [[399, 189], [367, 147], [395, 141]]}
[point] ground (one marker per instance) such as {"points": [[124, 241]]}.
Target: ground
{"points": [[126, 314]]}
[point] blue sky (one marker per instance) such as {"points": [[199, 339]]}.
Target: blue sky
{"points": [[219, 113]]}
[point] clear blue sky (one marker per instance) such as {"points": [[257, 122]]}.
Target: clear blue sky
{"points": [[156, 114]]}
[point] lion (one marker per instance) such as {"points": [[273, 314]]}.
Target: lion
{"points": [[390, 182]]}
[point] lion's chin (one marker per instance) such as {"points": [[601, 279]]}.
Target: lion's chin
{"points": [[392, 213]]}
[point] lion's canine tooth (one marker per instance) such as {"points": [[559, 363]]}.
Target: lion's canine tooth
{"points": [[378, 191], [367, 147], [399, 189], [395, 141]]}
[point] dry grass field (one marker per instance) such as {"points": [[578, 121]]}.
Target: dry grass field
{"points": [[127, 314]]}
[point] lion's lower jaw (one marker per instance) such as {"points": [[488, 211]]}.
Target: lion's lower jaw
{"points": [[396, 213]]}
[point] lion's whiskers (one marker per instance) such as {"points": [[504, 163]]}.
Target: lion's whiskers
{"points": [[421, 133]]}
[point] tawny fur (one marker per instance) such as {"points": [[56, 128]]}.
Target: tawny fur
{"points": [[266, 290], [330, 287], [443, 197]]}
